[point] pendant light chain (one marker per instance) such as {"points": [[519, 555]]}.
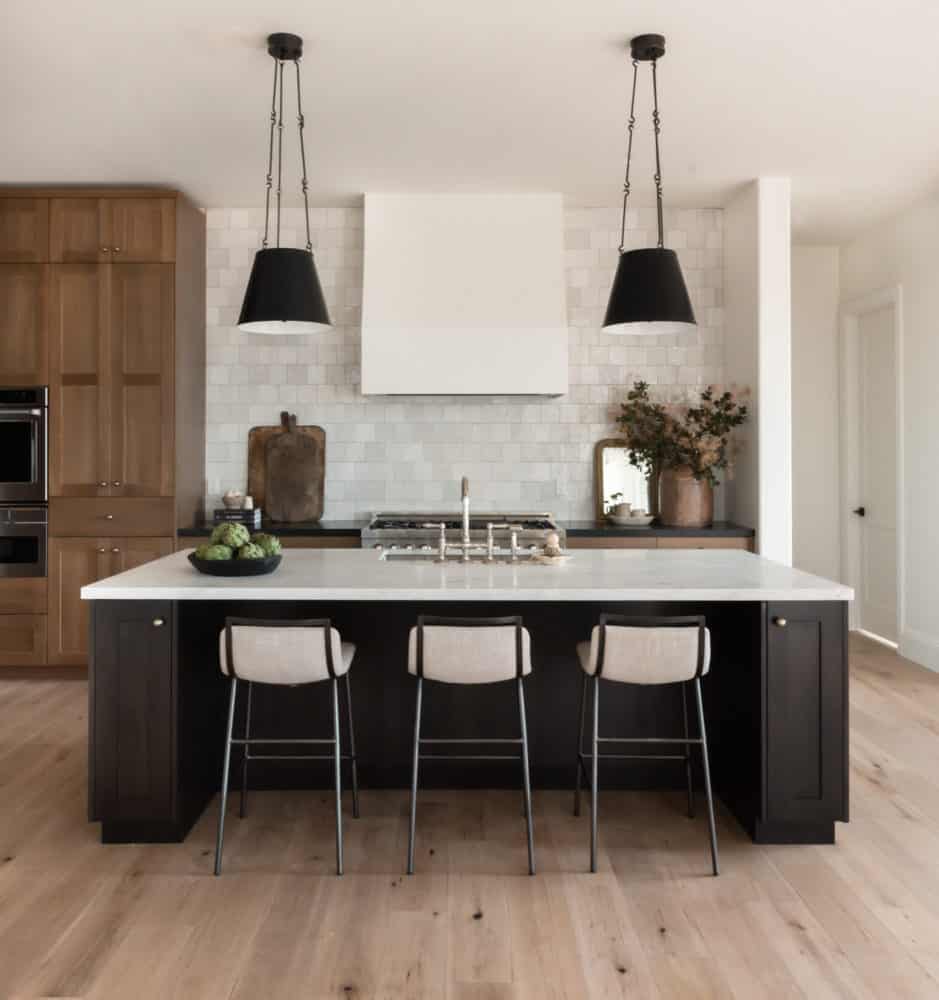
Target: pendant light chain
{"points": [[280, 143], [629, 156], [304, 185], [658, 163], [269, 183]]}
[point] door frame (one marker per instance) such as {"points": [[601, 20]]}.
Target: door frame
{"points": [[850, 313]]}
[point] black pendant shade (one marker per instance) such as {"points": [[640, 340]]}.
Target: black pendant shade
{"points": [[648, 288], [283, 294]]}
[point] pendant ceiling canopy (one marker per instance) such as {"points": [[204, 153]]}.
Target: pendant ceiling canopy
{"points": [[649, 295], [283, 294]]}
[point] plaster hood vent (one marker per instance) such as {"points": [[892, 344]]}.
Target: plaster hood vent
{"points": [[464, 295]]}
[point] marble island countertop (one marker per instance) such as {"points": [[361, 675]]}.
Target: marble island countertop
{"points": [[597, 575]]}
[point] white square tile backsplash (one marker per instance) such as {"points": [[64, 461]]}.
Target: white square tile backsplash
{"points": [[407, 452]]}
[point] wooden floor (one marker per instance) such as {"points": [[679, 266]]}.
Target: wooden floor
{"points": [[859, 919]]}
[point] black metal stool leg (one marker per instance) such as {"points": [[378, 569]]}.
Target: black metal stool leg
{"points": [[688, 769], [416, 760], [337, 761], [220, 836], [245, 757], [707, 777], [595, 775], [355, 766], [580, 744], [526, 778]]}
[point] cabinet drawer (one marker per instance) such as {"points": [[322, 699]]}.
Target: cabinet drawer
{"points": [[23, 595], [704, 542], [611, 542], [85, 516], [22, 640]]}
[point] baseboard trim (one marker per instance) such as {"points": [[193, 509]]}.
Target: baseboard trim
{"points": [[920, 648]]}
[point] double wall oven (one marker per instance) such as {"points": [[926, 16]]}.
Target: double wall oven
{"points": [[24, 485]]}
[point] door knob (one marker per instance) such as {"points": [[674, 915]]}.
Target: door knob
{"points": [[860, 511], [158, 622], [780, 622]]}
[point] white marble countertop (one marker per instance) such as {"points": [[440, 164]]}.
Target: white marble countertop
{"points": [[589, 575]]}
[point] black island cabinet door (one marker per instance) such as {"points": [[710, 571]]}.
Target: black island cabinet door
{"points": [[132, 772], [805, 720]]}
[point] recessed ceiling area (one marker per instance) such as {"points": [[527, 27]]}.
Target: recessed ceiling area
{"points": [[436, 95]]}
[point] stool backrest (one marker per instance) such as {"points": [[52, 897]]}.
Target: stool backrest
{"points": [[469, 650], [659, 650], [298, 651]]}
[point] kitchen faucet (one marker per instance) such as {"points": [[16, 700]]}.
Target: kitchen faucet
{"points": [[466, 519]]}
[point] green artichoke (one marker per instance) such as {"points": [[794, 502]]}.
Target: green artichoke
{"points": [[251, 551], [214, 552], [231, 534], [268, 543]]}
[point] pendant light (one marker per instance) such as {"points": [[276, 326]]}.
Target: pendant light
{"points": [[283, 293], [649, 294]]}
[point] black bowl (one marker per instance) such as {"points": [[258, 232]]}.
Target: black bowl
{"points": [[236, 567]]}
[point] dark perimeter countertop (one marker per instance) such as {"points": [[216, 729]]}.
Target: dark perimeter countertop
{"points": [[305, 529]]}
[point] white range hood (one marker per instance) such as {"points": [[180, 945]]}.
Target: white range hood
{"points": [[464, 295]]}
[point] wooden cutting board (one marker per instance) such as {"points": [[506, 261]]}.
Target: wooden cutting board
{"points": [[287, 469]]}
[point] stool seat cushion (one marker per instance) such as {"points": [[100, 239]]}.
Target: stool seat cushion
{"points": [[284, 654], [472, 654], [632, 655]]}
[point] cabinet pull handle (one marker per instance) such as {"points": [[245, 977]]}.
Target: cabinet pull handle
{"points": [[115, 549], [102, 550], [116, 249], [109, 517], [781, 622], [105, 249], [103, 483], [159, 622], [116, 482]]}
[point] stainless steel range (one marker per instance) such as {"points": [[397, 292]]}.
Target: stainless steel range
{"points": [[416, 532]]}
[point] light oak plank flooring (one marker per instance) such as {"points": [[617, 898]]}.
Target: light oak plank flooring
{"points": [[859, 919]]}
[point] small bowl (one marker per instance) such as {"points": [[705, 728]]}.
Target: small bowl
{"points": [[236, 567], [631, 521]]}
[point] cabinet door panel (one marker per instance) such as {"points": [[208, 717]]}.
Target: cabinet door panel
{"points": [[133, 678], [806, 712], [141, 327], [22, 640], [24, 230], [24, 316], [79, 403], [142, 229], [73, 562], [134, 552], [77, 230]]}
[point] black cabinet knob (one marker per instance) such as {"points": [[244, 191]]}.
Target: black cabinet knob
{"points": [[860, 511]]}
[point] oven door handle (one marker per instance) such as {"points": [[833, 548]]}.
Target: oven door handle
{"points": [[4, 413]]}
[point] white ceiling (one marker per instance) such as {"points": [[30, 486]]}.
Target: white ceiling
{"points": [[488, 95]]}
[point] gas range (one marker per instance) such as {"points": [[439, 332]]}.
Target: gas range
{"points": [[421, 531]]}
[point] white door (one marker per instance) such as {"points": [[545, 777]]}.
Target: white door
{"points": [[876, 514]]}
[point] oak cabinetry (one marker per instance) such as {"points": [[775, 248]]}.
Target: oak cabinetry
{"points": [[103, 298], [660, 542], [22, 640]]}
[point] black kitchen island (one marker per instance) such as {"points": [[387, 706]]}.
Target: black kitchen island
{"points": [[775, 698]]}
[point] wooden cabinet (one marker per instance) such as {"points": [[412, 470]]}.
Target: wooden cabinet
{"points": [[24, 318], [141, 380], [22, 640], [117, 516], [24, 230], [660, 542], [132, 762], [78, 381], [806, 680], [127, 553], [118, 229]]}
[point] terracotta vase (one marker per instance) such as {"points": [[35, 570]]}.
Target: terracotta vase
{"points": [[685, 502]]}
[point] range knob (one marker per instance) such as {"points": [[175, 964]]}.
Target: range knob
{"points": [[378, 545], [427, 548], [393, 548], [409, 548]]}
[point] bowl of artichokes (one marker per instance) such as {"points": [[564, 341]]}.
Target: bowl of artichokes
{"points": [[233, 551]]}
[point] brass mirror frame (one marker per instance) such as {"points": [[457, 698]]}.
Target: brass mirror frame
{"points": [[598, 450]]}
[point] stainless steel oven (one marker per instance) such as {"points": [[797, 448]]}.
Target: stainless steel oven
{"points": [[23, 540], [24, 436]]}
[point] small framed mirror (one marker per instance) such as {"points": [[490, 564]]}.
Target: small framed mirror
{"points": [[615, 480]]}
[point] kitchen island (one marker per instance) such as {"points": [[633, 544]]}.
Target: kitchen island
{"points": [[775, 698]]}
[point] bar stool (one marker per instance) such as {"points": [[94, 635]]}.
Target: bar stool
{"points": [[470, 651], [675, 650], [285, 653]]}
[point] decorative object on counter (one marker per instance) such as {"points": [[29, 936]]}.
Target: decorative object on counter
{"points": [[258, 440], [250, 518], [634, 519], [294, 473], [233, 551], [233, 499], [248, 502], [552, 554], [686, 445], [648, 293], [283, 294]]}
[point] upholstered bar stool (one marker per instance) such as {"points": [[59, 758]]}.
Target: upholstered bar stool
{"points": [[674, 650], [470, 651], [285, 653]]}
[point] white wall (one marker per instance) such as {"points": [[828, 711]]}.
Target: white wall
{"points": [[816, 514], [757, 340], [905, 252], [409, 452]]}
